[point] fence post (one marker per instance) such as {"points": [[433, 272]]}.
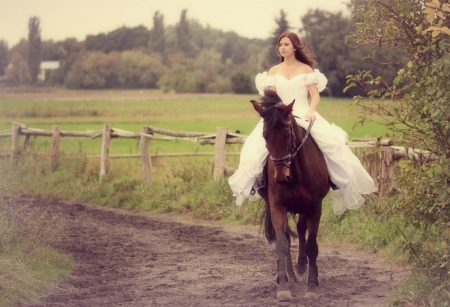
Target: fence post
{"points": [[56, 136], [387, 170], [26, 141], [104, 159], [15, 141], [146, 158], [220, 153]]}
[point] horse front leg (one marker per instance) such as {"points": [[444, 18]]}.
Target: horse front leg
{"points": [[292, 278], [302, 261], [278, 218], [312, 251]]}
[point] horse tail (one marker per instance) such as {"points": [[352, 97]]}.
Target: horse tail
{"points": [[269, 231]]}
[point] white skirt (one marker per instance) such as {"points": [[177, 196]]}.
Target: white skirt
{"points": [[344, 167]]}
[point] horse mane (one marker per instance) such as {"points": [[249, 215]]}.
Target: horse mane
{"points": [[272, 103]]}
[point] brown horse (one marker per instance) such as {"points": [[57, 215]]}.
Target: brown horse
{"points": [[296, 182]]}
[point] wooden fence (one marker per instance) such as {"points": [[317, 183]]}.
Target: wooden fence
{"points": [[147, 133], [384, 172]]}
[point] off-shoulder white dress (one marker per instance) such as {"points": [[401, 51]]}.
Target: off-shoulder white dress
{"points": [[344, 167]]}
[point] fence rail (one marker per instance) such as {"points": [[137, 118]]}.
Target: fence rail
{"points": [[219, 139], [388, 153]]}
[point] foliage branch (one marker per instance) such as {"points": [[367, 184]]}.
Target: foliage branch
{"points": [[415, 106]]}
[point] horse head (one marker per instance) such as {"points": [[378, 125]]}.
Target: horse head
{"points": [[278, 133]]}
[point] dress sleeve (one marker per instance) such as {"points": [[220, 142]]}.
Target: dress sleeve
{"points": [[263, 81], [317, 78]]}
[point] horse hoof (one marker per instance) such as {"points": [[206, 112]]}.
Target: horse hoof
{"points": [[284, 296], [301, 269], [292, 285], [311, 295]]}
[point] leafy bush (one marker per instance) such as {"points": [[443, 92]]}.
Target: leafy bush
{"points": [[181, 79], [18, 72], [95, 70], [140, 70], [241, 84], [416, 107]]}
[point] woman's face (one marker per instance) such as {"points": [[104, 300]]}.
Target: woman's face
{"points": [[285, 47]]}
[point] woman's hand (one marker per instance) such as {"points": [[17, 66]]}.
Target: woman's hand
{"points": [[310, 116]]}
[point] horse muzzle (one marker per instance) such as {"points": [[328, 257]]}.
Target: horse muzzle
{"points": [[283, 180]]}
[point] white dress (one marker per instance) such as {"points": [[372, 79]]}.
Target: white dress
{"points": [[344, 167]]}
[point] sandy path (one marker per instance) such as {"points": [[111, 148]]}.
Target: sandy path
{"points": [[138, 259]]}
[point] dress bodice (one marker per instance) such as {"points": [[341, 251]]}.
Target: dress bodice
{"points": [[293, 88]]}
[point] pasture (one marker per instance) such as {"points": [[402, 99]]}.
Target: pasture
{"points": [[128, 110]]}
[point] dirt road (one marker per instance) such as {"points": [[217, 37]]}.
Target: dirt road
{"points": [[138, 259]]}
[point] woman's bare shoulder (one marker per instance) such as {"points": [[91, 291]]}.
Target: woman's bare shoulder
{"points": [[274, 70], [306, 69]]}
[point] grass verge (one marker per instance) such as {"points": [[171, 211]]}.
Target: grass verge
{"points": [[185, 186], [29, 264]]}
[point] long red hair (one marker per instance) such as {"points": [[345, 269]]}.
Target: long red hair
{"points": [[301, 52]]}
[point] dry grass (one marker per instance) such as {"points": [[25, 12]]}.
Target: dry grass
{"points": [[29, 263]]}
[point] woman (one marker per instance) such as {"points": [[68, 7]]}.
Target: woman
{"points": [[293, 79]]}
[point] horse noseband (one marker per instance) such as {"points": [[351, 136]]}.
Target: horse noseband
{"points": [[294, 149], [281, 160]]}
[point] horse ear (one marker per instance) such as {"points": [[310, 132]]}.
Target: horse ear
{"points": [[257, 107], [288, 109]]}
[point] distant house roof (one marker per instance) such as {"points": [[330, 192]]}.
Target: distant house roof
{"points": [[49, 65]]}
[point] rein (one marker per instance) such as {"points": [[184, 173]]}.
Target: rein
{"points": [[294, 149]]}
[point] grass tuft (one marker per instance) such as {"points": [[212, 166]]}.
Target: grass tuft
{"points": [[29, 265]]}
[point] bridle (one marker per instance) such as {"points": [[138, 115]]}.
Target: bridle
{"points": [[287, 159]]}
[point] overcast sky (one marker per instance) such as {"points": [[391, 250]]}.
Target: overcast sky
{"points": [[61, 19]]}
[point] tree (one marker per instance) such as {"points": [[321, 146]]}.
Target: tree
{"points": [[181, 80], [272, 57], [3, 56], [184, 39], [121, 39], [17, 72], [414, 106], [21, 47], [95, 70], [208, 65], [140, 70], [228, 48], [34, 51], [241, 84], [234, 49], [69, 50], [50, 51], [325, 34], [157, 42]]}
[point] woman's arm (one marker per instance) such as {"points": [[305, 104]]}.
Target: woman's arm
{"points": [[315, 99], [272, 71]]}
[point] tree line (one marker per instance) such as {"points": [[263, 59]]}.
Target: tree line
{"points": [[186, 57]]}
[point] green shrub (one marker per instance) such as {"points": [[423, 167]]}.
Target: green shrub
{"points": [[242, 84]]}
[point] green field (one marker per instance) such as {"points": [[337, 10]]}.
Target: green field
{"points": [[190, 113]]}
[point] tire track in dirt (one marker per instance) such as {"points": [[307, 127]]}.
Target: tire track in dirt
{"points": [[137, 259]]}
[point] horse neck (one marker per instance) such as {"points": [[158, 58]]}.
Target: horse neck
{"points": [[298, 131], [299, 136]]}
